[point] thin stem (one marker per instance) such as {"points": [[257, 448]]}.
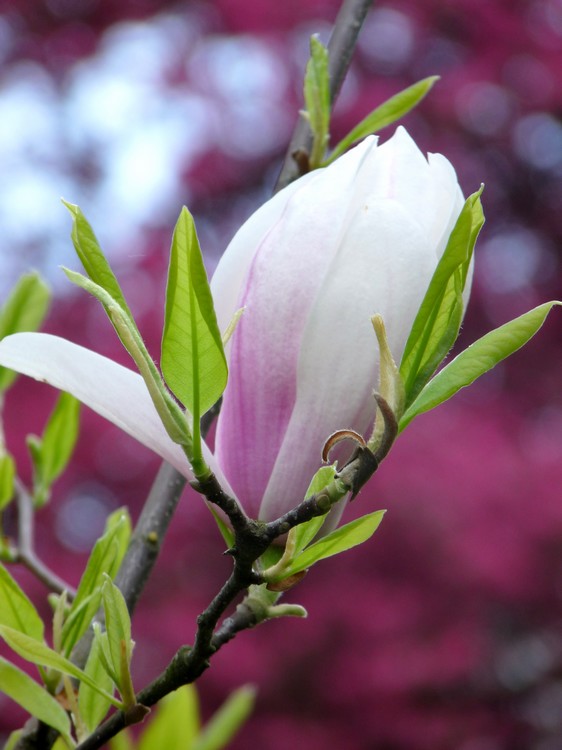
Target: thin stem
{"points": [[340, 49], [188, 663], [144, 546], [25, 554], [212, 490], [252, 539], [149, 533]]}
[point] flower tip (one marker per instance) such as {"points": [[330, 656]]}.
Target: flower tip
{"points": [[378, 323]]}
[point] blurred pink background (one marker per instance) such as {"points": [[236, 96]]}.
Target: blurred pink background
{"points": [[445, 631]]}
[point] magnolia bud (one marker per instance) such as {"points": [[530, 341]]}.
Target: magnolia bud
{"points": [[311, 267]]}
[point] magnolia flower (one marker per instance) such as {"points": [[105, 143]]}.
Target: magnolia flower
{"points": [[310, 268]]}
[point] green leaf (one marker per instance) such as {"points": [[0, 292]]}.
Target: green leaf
{"points": [[304, 533], [16, 610], [225, 530], [123, 741], [172, 417], [39, 653], [276, 561], [24, 310], [78, 620], [103, 285], [175, 724], [60, 608], [93, 706], [193, 360], [270, 558], [106, 557], [317, 100], [104, 652], [387, 113], [51, 454], [7, 474], [92, 258], [477, 359], [22, 689], [13, 740], [437, 323], [222, 727], [348, 536], [118, 629]]}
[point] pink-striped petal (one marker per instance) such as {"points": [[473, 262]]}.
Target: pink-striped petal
{"points": [[360, 237], [285, 274]]}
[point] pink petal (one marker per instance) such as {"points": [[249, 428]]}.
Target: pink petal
{"points": [[383, 265], [360, 237], [284, 276]]}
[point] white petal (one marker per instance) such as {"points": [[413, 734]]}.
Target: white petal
{"points": [[113, 391], [234, 265], [427, 189], [384, 266], [283, 279]]}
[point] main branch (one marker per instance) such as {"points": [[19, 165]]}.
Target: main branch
{"points": [[340, 50]]}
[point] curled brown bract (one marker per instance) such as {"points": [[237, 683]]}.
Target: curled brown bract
{"points": [[338, 437]]}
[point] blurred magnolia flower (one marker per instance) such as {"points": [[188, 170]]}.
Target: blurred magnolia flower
{"points": [[310, 267]]}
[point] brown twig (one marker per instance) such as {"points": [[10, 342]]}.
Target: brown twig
{"points": [[340, 50], [25, 553]]}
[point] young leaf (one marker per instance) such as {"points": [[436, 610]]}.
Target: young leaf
{"points": [[477, 359], [437, 323], [24, 310], [222, 727], [176, 722], [13, 740], [169, 412], [348, 536], [7, 474], [275, 562], [16, 610], [390, 388], [102, 560], [104, 652], [106, 557], [225, 530], [93, 706], [39, 653], [193, 360], [118, 629], [122, 741], [270, 558], [92, 257], [60, 608], [387, 113], [317, 100], [78, 620], [304, 533], [51, 453], [22, 689]]}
